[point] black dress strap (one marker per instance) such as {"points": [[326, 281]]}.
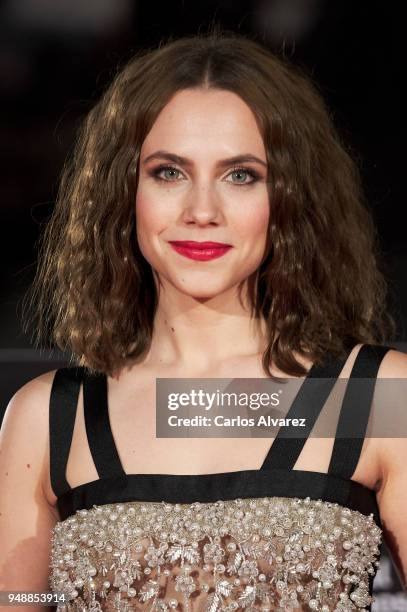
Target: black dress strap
{"points": [[62, 411], [98, 429], [355, 410], [307, 404]]}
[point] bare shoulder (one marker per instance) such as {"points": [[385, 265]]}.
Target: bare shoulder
{"points": [[393, 451], [392, 494], [26, 516], [24, 434], [30, 403], [393, 365]]}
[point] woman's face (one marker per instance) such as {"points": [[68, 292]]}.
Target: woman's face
{"points": [[191, 189]]}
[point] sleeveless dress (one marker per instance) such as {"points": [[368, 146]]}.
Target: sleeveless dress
{"points": [[255, 540]]}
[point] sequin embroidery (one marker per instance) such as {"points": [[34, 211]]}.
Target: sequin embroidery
{"points": [[256, 554]]}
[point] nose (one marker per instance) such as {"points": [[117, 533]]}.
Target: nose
{"points": [[203, 205]]}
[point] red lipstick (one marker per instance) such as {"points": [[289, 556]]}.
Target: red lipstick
{"points": [[200, 251]]}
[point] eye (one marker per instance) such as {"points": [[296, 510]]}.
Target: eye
{"points": [[242, 174], [171, 174]]}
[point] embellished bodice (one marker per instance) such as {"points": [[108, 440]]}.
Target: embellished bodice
{"points": [[275, 538], [255, 554]]}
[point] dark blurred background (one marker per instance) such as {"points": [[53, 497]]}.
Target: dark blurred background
{"points": [[57, 56]]}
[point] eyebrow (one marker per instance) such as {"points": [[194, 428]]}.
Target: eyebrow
{"points": [[184, 161]]}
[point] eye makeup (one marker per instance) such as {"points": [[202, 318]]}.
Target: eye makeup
{"points": [[155, 173]]}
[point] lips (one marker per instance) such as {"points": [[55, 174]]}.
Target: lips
{"points": [[201, 251], [192, 244]]}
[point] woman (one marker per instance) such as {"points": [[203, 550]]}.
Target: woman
{"points": [[208, 139]]}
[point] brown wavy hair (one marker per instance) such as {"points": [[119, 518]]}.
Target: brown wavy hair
{"points": [[319, 287]]}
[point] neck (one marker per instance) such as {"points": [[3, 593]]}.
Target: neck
{"points": [[198, 333]]}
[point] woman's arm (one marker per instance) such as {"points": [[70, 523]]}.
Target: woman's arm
{"points": [[392, 495], [26, 517]]}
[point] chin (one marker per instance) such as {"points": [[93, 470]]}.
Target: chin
{"points": [[204, 290], [200, 294]]}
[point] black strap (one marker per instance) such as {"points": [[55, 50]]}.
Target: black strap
{"points": [[307, 404], [62, 411], [98, 429], [355, 410]]}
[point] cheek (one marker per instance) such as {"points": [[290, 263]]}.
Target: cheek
{"points": [[253, 225], [146, 222], [153, 217], [150, 213]]}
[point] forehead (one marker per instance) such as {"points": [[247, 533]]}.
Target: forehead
{"points": [[205, 120]]}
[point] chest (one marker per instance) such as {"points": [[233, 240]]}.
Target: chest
{"points": [[132, 416]]}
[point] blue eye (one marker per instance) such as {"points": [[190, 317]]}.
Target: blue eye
{"points": [[245, 172], [172, 175], [160, 169]]}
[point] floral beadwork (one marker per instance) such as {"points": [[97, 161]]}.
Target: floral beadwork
{"points": [[256, 554]]}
